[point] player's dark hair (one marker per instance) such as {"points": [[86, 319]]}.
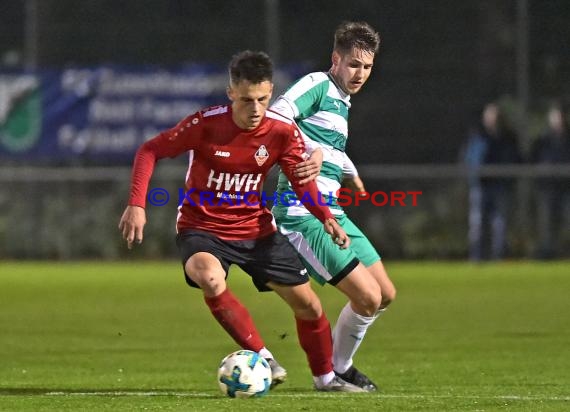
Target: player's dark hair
{"points": [[359, 35], [253, 66]]}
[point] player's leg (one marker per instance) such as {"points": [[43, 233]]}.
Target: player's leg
{"points": [[312, 325], [351, 326], [354, 319], [378, 272], [314, 332], [341, 268], [277, 266], [353, 322], [206, 261], [206, 271]]}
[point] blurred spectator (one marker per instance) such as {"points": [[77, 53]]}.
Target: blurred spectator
{"points": [[490, 198], [552, 147]]}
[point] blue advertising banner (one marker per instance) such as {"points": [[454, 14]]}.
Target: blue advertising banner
{"points": [[102, 114]]}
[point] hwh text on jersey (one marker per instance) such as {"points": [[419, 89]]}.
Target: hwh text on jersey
{"points": [[233, 181]]}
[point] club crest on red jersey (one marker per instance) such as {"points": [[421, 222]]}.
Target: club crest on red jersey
{"points": [[261, 155]]}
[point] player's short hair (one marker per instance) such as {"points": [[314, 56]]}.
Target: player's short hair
{"points": [[253, 66], [359, 34]]}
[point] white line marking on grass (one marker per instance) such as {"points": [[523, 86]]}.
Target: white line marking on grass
{"points": [[482, 397], [130, 393], [310, 395]]}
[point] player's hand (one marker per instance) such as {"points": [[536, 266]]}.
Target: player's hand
{"points": [[310, 168], [337, 233], [131, 225]]}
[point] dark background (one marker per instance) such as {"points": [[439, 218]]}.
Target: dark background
{"points": [[440, 61]]}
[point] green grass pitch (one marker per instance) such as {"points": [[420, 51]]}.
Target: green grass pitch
{"points": [[92, 336]]}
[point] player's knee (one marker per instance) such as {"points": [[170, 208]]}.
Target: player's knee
{"points": [[388, 296], [210, 285], [308, 309], [367, 304], [201, 271]]}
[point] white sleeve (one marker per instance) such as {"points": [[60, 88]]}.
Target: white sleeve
{"points": [[348, 168], [285, 107]]}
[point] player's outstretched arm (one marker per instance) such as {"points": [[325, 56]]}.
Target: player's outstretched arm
{"points": [[337, 233], [354, 183], [350, 178], [131, 225]]}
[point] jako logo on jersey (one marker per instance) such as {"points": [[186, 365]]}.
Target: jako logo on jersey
{"points": [[233, 181], [261, 155], [216, 110], [222, 154]]}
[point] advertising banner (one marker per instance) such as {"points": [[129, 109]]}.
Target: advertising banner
{"points": [[102, 114]]}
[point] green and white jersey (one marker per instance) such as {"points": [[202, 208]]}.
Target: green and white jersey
{"points": [[320, 109]]}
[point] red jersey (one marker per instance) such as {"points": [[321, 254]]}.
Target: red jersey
{"points": [[226, 171]]}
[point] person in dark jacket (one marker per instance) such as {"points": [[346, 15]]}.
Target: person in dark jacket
{"points": [[490, 198], [552, 147]]}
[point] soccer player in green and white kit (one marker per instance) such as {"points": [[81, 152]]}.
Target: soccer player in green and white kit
{"points": [[319, 103]]}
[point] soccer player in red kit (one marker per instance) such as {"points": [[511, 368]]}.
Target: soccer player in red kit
{"points": [[223, 219]]}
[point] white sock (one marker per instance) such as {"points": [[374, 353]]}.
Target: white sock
{"points": [[323, 380], [264, 353], [347, 335], [380, 312]]}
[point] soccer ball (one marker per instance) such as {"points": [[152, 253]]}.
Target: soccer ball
{"points": [[244, 374]]}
